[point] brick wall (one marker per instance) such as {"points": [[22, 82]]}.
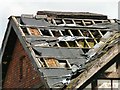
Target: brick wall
{"points": [[21, 73]]}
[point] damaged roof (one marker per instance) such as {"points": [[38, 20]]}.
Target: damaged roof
{"points": [[78, 15], [61, 45]]}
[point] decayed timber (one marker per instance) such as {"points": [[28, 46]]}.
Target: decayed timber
{"points": [[65, 49], [110, 75], [101, 62]]}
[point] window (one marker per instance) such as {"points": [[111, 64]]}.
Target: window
{"points": [[21, 67]]}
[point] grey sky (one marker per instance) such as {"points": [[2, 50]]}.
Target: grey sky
{"points": [[18, 7]]}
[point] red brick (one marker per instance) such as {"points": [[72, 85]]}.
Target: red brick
{"points": [[12, 79]]}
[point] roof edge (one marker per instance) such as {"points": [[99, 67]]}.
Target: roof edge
{"points": [[82, 15]]}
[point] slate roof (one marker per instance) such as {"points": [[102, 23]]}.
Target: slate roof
{"points": [[62, 45]]}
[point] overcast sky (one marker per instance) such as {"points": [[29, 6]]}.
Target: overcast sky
{"points": [[18, 7]]}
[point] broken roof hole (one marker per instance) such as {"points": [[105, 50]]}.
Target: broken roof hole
{"points": [[45, 32], [54, 63]]}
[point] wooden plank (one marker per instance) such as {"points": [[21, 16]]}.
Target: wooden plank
{"points": [[40, 32], [92, 36], [96, 67], [75, 40], [100, 33], [51, 62], [85, 39], [17, 24], [94, 85], [118, 67], [34, 31]]}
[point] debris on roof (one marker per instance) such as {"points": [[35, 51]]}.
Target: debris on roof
{"points": [[65, 43]]}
